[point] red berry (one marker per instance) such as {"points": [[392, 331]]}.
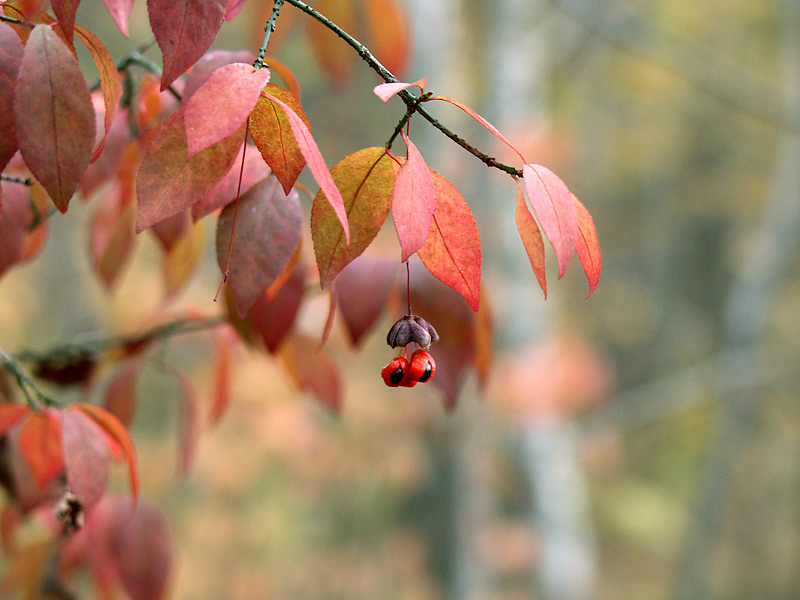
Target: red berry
{"points": [[396, 372], [422, 366]]}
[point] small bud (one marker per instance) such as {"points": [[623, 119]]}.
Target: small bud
{"points": [[411, 329], [70, 511]]}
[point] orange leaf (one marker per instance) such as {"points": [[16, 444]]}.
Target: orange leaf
{"points": [[313, 369], [118, 436], [452, 250], [336, 57], [180, 262], [11, 414], [40, 441], [588, 246], [531, 239], [120, 395], [388, 33], [223, 365]]}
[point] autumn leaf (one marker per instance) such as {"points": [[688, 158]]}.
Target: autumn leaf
{"points": [[189, 422], [10, 56], [234, 6], [452, 251], [120, 11], [65, 11], [169, 181], [274, 137], [268, 229], [224, 340], [171, 229], [210, 62], [222, 104], [336, 58], [313, 369], [110, 81], [413, 201], [366, 181], [481, 120], [388, 33], [588, 246], [86, 456], [554, 207], [111, 235], [363, 289], [119, 397], [14, 217], [119, 438], [385, 91], [308, 147], [531, 239], [53, 115], [184, 30], [11, 415], [181, 261], [40, 442], [253, 171]]}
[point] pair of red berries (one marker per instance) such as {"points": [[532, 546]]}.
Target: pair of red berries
{"points": [[407, 373]]}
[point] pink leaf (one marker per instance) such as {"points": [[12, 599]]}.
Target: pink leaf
{"points": [[120, 11], [268, 229], [54, 115], [40, 441], [363, 288], [531, 239], [10, 56], [119, 397], [554, 207], [169, 181], [452, 250], [588, 246], [481, 120], [222, 104], [413, 201], [385, 91], [210, 62], [310, 151], [184, 30], [15, 215], [234, 6], [86, 456]]}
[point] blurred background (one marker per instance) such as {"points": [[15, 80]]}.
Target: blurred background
{"points": [[642, 443]]}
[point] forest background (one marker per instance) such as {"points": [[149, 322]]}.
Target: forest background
{"points": [[643, 443]]}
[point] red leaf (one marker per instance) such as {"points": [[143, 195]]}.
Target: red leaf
{"points": [[363, 289], [40, 442], [65, 11], [184, 30], [222, 104], [554, 207], [223, 365], [313, 369], [110, 81], [120, 11], [10, 415], [275, 138], [452, 251], [119, 438], [316, 163], [86, 456], [169, 181], [366, 181], [413, 201], [112, 236], [210, 62], [588, 246], [142, 551], [119, 397], [171, 229], [531, 239], [10, 57], [385, 91], [190, 421], [234, 6], [225, 191], [389, 33], [14, 218], [481, 120], [336, 58], [54, 115], [268, 229]]}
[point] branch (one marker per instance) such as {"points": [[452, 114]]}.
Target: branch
{"points": [[14, 179], [26, 383], [16, 21], [411, 101], [268, 31]]}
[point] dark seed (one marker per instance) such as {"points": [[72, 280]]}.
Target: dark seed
{"points": [[396, 376], [427, 374]]}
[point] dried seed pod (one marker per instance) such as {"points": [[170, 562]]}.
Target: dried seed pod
{"points": [[411, 329]]}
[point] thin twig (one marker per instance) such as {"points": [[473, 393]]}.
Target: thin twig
{"points": [[16, 21], [26, 383], [268, 31], [411, 101], [14, 179]]}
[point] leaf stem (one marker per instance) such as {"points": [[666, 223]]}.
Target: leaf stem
{"points": [[16, 21], [268, 31], [411, 101], [26, 383]]}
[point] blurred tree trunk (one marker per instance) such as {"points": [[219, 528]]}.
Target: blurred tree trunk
{"points": [[746, 311]]}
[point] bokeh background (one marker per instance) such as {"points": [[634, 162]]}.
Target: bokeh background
{"points": [[642, 443]]}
